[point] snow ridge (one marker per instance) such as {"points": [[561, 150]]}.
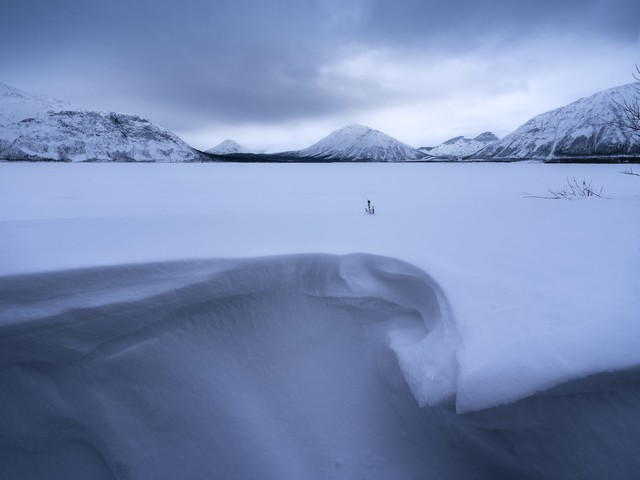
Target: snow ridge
{"points": [[360, 143], [16, 105], [586, 128]]}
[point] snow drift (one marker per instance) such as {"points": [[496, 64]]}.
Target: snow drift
{"points": [[276, 368]]}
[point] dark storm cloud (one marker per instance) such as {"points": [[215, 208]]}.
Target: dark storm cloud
{"points": [[250, 59], [182, 63], [461, 22]]}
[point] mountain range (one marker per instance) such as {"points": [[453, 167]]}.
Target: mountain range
{"points": [[460, 147], [38, 128]]}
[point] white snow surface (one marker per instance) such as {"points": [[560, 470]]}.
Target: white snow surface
{"points": [[360, 143], [16, 105], [460, 147], [251, 321], [226, 147], [586, 128], [33, 128]]}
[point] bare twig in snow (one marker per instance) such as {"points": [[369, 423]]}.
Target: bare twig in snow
{"points": [[573, 189], [630, 118]]}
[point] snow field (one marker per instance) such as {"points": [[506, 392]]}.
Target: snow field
{"points": [[514, 323]]}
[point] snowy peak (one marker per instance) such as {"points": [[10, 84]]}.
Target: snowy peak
{"points": [[360, 143], [227, 147], [9, 92], [36, 128], [588, 128], [455, 140], [486, 137], [16, 105], [461, 147]]}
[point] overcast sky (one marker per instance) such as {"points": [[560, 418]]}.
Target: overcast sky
{"points": [[281, 74]]}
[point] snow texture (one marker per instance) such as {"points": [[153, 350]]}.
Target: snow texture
{"points": [[277, 368], [360, 143], [37, 129], [227, 147], [487, 335], [458, 148], [231, 369], [586, 129]]}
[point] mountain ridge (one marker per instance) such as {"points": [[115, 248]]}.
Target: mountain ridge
{"points": [[38, 129], [586, 129], [460, 147], [16, 105]]}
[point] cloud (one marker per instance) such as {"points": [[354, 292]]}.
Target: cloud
{"points": [[457, 24], [197, 65]]}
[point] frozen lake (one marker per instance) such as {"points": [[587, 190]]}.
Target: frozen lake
{"points": [[464, 216]]}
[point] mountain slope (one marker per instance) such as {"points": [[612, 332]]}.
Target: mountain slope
{"points": [[460, 147], [360, 143], [226, 147], [45, 130], [16, 105], [585, 129]]}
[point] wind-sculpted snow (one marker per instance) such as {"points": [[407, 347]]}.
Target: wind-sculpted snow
{"points": [[277, 368], [274, 368], [586, 129]]}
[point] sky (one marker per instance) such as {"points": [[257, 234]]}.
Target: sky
{"points": [[280, 75]]}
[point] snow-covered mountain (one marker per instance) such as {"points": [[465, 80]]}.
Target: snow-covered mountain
{"points": [[461, 147], [585, 129], [16, 105], [227, 147], [360, 143], [40, 129]]}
